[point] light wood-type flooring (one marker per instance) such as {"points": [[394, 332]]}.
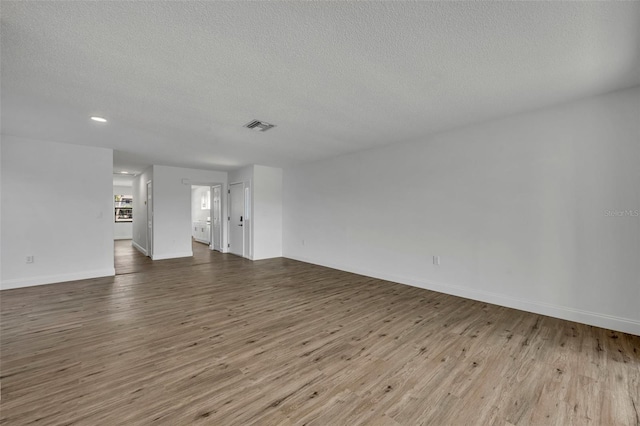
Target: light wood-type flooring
{"points": [[220, 340]]}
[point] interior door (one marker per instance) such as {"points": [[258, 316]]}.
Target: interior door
{"points": [[149, 221], [217, 219], [236, 221]]}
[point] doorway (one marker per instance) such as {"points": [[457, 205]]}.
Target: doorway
{"points": [[206, 215], [216, 212], [201, 214], [149, 220], [236, 219]]}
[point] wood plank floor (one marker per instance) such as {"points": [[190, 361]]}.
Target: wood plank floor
{"points": [[216, 339]]}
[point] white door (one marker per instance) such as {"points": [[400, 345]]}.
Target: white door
{"points": [[217, 218], [236, 221], [149, 221]]}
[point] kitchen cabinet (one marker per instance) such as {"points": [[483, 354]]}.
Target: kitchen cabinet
{"points": [[201, 231]]}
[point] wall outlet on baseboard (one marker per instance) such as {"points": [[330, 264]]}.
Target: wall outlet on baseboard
{"points": [[303, 241], [436, 260], [30, 259]]}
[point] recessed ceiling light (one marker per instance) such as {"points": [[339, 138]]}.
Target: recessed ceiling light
{"points": [[260, 126], [99, 119]]}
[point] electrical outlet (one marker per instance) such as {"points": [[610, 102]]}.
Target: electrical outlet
{"points": [[29, 259], [436, 260], [303, 241]]}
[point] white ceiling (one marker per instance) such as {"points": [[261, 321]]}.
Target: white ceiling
{"points": [[178, 80]]}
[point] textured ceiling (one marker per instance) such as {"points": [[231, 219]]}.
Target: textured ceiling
{"points": [[178, 80]]}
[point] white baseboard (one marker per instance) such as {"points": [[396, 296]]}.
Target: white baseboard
{"points": [[163, 256], [625, 325], [265, 257], [139, 248], [121, 238], [52, 279]]}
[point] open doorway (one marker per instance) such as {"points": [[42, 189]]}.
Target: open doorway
{"points": [[149, 216], [216, 213], [201, 214], [123, 222], [206, 215]]}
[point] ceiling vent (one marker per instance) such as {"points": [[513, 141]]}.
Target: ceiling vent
{"points": [[259, 126]]}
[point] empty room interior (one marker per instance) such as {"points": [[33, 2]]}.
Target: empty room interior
{"points": [[320, 213]]}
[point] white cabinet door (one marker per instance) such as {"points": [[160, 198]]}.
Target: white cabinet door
{"points": [[201, 232]]}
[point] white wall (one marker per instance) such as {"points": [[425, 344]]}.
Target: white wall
{"points": [[267, 212], [243, 174], [172, 208], [57, 206], [122, 230], [516, 208], [139, 225]]}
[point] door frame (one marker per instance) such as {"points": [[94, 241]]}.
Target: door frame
{"points": [[244, 221], [149, 221], [221, 187], [247, 228]]}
